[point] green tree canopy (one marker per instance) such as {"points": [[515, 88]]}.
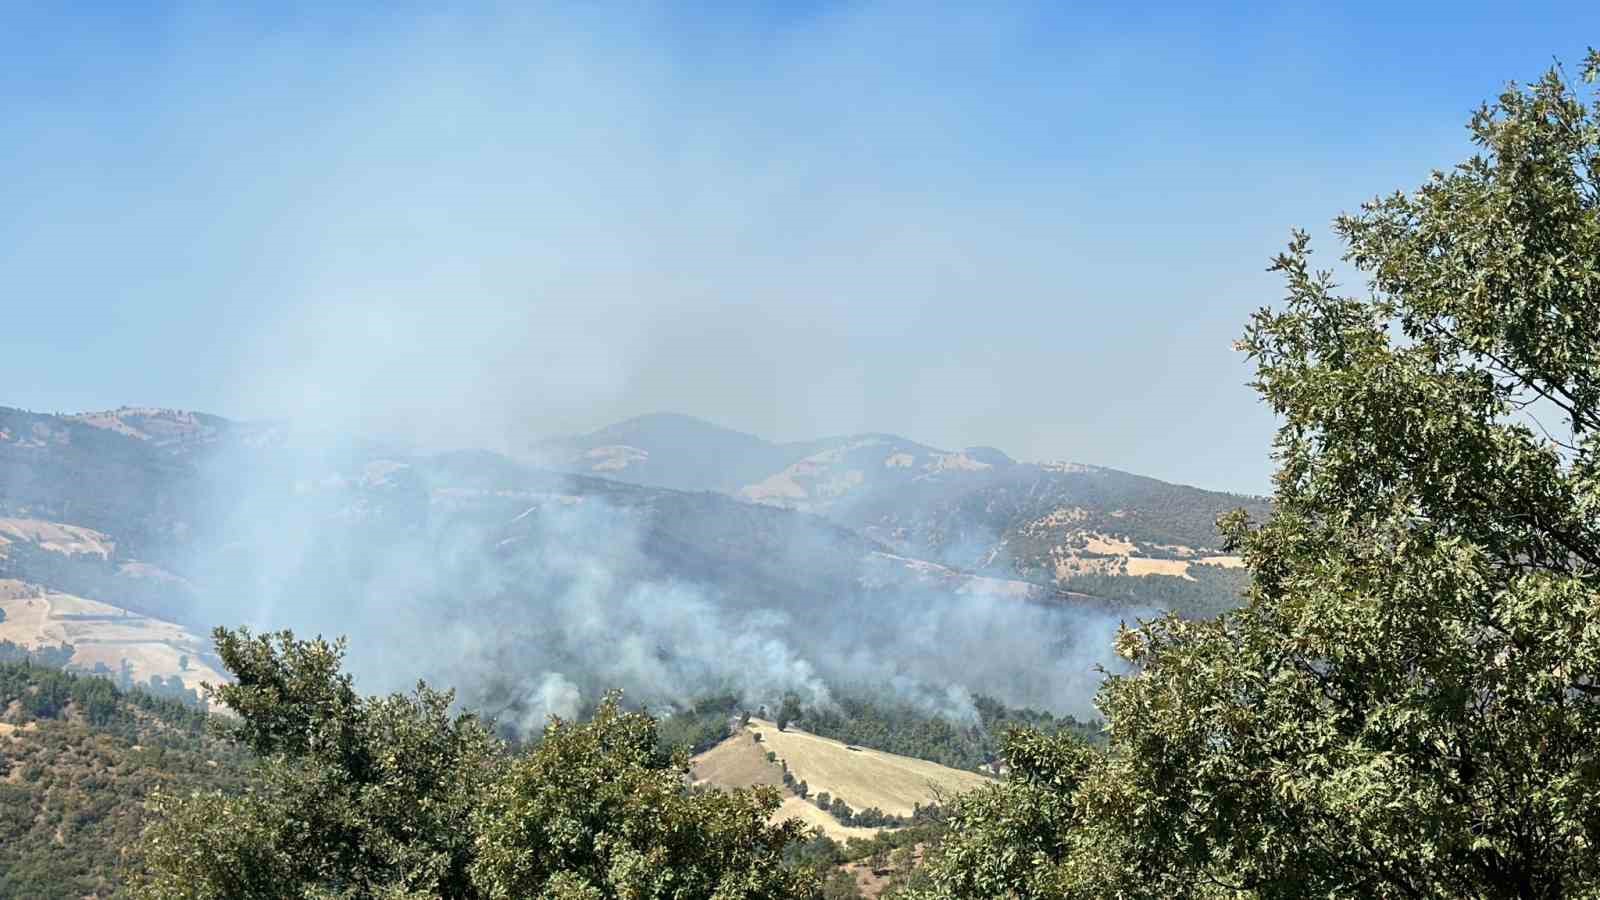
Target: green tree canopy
{"points": [[396, 797], [356, 796], [596, 812], [789, 711], [1409, 704]]}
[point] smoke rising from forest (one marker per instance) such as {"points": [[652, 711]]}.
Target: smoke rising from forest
{"points": [[498, 226], [540, 611]]}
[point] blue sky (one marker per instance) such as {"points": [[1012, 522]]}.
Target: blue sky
{"points": [[1036, 227]]}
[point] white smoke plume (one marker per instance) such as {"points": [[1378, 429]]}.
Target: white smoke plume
{"points": [[535, 604]]}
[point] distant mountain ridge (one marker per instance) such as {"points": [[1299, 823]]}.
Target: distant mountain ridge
{"points": [[685, 453], [173, 515], [976, 508], [143, 474], [809, 561], [665, 450]]}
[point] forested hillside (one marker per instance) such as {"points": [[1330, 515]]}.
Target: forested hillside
{"points": [[960, 744], [975, 509], [1202, 592], [79, 758]]}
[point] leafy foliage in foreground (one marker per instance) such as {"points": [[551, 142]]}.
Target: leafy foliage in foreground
{"points": [[1409, 705], [357, 796], [891, 852], [595, 811], [393, 797]]}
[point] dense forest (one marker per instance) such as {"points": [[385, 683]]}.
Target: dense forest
{"points": [[1207, 592], [700, 727], [78, 759], [872, 721], [913, 732]]}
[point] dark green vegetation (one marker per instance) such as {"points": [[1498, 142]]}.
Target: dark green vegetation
{"points": [[841, 810], [1207, 592], [400, 787], [389, 775], [57, 657], [699, 728], [1409, 704], [890, 852], [35, 688], [397, 797], [916, 733], [79, 762], [48, 657]]}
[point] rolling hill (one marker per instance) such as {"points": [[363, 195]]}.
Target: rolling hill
{"points": [[666, 450], [975, 509], [105, 638], [193, 520], [862, 777]]}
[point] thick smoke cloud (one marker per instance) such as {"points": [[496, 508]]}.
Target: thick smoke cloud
{"points": [[477, 229], [533, 603]]}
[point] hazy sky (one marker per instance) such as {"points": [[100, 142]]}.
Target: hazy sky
{"points": [[1033, 227]]}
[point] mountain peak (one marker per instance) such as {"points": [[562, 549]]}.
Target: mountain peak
{"points": [[990, 456], [674, 426], [665, 449]]}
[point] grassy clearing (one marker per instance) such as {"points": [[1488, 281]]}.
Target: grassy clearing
{"points": [[864, 778], [738, 762], [105, 634], [804, 810]]}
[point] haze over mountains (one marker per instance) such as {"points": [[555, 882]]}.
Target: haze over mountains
{"points": [[976, 508], [662, 554]]}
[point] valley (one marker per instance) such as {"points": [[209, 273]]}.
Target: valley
{"points": [[146, 527], [874, 599]]}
